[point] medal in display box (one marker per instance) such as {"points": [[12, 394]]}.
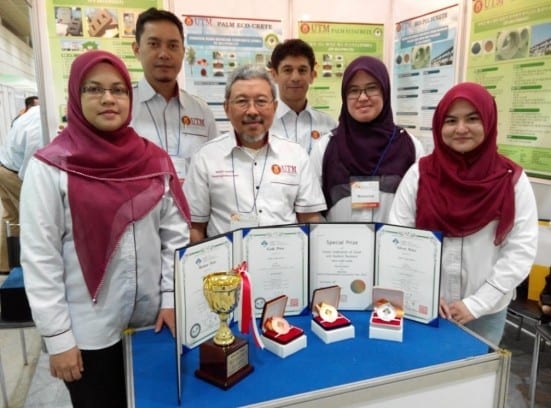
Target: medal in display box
{"points": [[327, 323], [278, 336], [387, 318]]}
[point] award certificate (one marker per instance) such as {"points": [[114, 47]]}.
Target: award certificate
{"points": [[343, 255], [409, 259], [277, 258], [194, 262]]}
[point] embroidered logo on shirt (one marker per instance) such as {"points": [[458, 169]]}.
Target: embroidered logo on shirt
{"points": [[186, 120], [284, 168]]}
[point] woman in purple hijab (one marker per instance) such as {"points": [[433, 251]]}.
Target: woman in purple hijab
{"points": [[362, 161]]}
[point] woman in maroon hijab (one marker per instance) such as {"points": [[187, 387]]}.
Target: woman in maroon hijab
{"points": [[362, 161], [102, 212], [484, 205]]}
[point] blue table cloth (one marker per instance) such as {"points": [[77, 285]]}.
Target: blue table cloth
{"points": [[318, 366]]}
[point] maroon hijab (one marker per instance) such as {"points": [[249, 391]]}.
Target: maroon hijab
{"points": [[114, 178], [461, 193], [357, 147]]}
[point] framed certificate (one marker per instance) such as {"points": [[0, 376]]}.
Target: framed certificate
{"points": [[195, 322], [277, 258], [410, 259], [343, 255]]}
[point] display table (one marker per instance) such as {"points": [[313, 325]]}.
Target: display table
{"points": [[444, 364]]}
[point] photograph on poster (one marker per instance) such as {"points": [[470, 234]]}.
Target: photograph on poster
{"points": [[102, 23], [68, 21]]}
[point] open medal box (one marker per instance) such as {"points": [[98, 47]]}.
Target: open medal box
{"points": [[278, 336], [387, 318], [327, 322]]}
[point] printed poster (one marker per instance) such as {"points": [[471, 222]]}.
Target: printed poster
{"points": [[335, 46], [215, 46], [77, 26], [509, 52], [424, 69]]}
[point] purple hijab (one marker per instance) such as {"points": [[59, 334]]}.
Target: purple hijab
{"points": [[356, 147]]}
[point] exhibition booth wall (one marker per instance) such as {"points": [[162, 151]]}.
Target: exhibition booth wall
{"points": [[290, 18]]}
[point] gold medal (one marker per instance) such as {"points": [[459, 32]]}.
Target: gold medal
{"points": [[327, 312], [385, 311], [278, 325]]}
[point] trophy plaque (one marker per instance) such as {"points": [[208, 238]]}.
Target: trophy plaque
{"points": [[224, 359]]}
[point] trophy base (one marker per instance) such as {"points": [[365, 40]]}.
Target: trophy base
{"points": [[224, 366]]}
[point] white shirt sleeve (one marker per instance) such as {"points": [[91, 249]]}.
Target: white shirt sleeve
{"points": [[404, 208], [515, 255], [196, 188], [42, 257]]}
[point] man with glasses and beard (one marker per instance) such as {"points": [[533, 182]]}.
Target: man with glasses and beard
{"points": [[249, 177]]}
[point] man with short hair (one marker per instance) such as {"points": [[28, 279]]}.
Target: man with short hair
{"points": [[23, 140], [30, 101], [249, 177], [162, 112], [293, 63]]}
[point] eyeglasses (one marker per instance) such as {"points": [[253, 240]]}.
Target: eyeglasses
{"points": [[370, 91], [98, 91], [244, 103]]}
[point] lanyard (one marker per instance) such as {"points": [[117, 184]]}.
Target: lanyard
{"points": [[296, 130], [376, 169], [256, 190], [165, 146]]}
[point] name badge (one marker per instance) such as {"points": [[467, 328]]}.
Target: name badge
{"points": [[364, 194], [181, 165], [243, 221]]}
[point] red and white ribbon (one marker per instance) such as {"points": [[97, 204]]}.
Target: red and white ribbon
{"points": [[247, 307]]}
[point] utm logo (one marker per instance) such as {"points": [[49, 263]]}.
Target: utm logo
{"points": [[276, 169], [284, 168]]}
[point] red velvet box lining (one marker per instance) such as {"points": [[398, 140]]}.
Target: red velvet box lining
{"points": [[340, 322], [284, 338]]}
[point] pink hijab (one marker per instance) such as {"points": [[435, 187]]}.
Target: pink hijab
{"points": [[461, 193], [114, 178]]}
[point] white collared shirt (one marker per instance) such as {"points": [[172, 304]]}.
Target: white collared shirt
{"points": [[223, 180], [484, 276], [307, 125], [342, 211], [137, 282], [178, 126], [24, 139]]}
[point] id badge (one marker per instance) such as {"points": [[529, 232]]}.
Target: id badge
{"points": [[181, 165], [238, 221], [364, 194]]}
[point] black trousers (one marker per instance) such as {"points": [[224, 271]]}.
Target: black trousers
{"points": [[103, 382]]}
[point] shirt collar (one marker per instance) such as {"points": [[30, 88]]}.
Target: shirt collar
{"points": [[273, 142], [147, 92], [283, 109]]}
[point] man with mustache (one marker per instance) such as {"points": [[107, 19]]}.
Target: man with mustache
{"points": [[249, 177], [163, 113]]}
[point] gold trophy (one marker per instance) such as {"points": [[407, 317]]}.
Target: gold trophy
{"points": [[223, 360]]}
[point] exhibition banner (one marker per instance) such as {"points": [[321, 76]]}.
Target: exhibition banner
{"points": [[215, 46], [335, 46], [425, 61], [77, 26], [509, 52]]}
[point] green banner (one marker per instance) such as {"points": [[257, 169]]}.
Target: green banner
{"points": [[335, 46]]}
